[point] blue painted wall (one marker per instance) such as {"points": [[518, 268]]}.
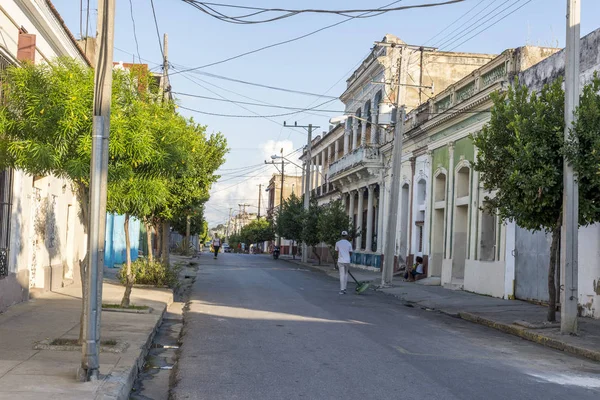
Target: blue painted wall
{"points": [[114, 244]]}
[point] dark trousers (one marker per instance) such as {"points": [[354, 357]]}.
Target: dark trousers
{"points": [[216, 250]]}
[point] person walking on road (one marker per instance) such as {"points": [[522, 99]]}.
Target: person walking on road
{"points": [[216, 243], [344, 249]]}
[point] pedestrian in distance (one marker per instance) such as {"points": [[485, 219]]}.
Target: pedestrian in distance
{"points": [[344, 249], [216, 243]]}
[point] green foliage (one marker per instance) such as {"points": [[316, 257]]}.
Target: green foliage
{"points": [[333, 220], [310, 230], [257, 231], [151, 273], [290, 219], [583, 151], [521, 156]]}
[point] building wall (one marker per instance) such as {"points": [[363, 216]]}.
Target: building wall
{"points": [[47, 238]]}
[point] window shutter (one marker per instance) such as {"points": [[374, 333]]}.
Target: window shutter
{"points": [[26, 47]]}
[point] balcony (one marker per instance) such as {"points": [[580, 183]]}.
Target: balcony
{"points": [[362, 158]]}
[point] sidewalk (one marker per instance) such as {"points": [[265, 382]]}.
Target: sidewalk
{"points": [[26, 373], [515, 317]]}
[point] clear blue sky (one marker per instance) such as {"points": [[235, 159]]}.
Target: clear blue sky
{"points": [[319, 64]]}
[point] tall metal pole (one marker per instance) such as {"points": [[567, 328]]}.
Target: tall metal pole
{"points": [[166, 231], [570, 227], [307, 184], [259, 193], [281, 193], [387, 273], [92, 301]]}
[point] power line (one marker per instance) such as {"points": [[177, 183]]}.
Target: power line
{"points": [[287, 13], [456, 20], [263, 86], [162, 52], [489, 26], [479, 22], [278, 43], [254, 104], [137, 46], [255, 116]]}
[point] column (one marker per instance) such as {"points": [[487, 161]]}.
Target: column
{"points": [[355, 134], [318, 174], [337, 148], [375, 119], [329, 161], [347, 137], [370, 194], [449, 202], [313, 176], [363, 135], [359, 217], [429, 201], [351, 195], [380, 214]]}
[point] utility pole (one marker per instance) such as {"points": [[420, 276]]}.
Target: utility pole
{"points": [[228, 223], [166, 231], [92, 299], [281, 192], [569, 268], [259, 193], [390, 246], [307, 174]]}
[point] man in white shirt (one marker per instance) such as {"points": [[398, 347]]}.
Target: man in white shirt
{"points": [[344, 249], [216, 245]]}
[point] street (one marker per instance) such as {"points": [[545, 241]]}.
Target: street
{"points": [[259, 328]]}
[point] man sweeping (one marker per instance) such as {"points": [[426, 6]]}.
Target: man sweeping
{"points": [[344, 249]]}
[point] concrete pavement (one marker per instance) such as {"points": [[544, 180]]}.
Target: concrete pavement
{"points": [[26, 373], [519, 318], [259, 328]]}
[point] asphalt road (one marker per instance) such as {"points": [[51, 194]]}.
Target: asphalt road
{"points": [[263, 329]]}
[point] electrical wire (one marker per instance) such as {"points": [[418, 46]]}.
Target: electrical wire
{"points": [[162, 52], [287, 13], [253, 104], [263, 86], [479, 22], [255, 115], [456, 20], [137, 46], [277, 44], [489, 26]]}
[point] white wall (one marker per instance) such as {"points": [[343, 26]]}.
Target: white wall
{"points": [[55, 237], [589, 270], [485, 277]]}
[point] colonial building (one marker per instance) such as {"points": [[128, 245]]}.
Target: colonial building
{"points": [[353, 160], [41, 236], [441, 200], [291, 185]]}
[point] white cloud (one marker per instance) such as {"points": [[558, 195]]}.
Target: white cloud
{"points": [[241, 186]]}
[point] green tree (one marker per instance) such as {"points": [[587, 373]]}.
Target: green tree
{"points": [[257, 231], [310, 230], [333, 220], [520, 158], [290, 219]]}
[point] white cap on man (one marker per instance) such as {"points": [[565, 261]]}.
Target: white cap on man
{"points": [[344, 233]]}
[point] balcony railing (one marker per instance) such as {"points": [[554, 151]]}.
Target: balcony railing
{"points": [[359, 156]]}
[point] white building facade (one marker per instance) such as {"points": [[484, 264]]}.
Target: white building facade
{"points": [[41, 236]]}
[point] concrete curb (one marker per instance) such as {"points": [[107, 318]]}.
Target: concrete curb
{"points": [[535, 337], [118, 385]]}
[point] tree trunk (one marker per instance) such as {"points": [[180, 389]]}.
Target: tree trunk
{"points": [[316, 255], [158, 229], [552, 270], [166, 233], [83, 195], [129, 283], [149, 239], [187, 234]]}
